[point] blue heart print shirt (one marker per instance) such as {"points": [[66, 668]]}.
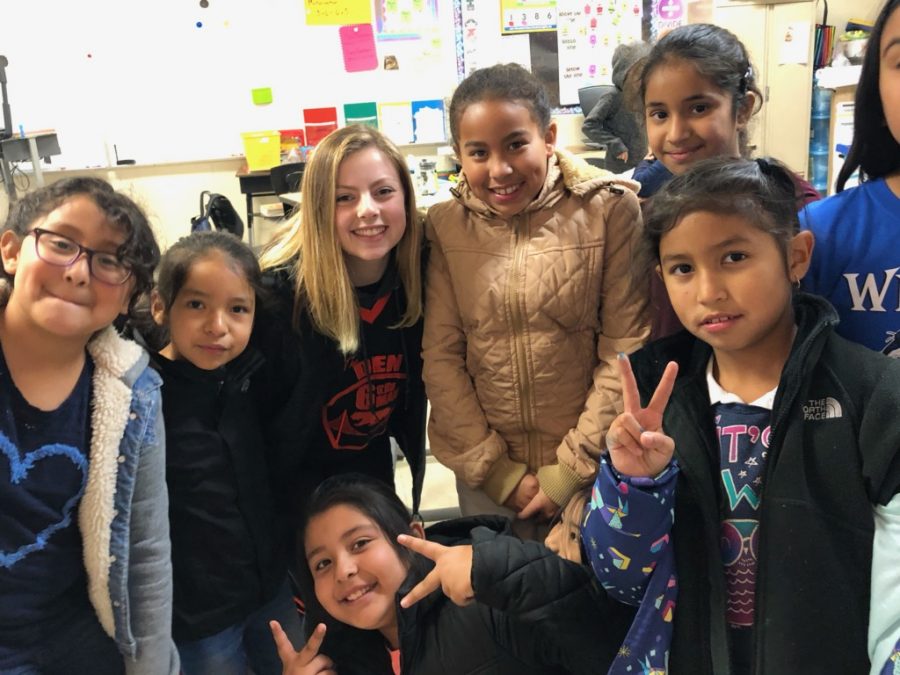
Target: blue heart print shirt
{"points": [[43, 473], [96, 533]]}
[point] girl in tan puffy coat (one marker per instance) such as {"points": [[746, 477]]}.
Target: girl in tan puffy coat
{"points": [[528, 301]]}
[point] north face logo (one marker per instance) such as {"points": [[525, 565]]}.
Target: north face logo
{"points": [[822, 409]]}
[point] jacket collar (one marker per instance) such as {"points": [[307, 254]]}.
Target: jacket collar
{"points": [[565, 173], [239, 368]]}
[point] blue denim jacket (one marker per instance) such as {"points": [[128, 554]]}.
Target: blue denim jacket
{"points": [[123, 515]]}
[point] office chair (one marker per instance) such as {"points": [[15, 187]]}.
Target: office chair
{"points": [[587, 99], [588, 96], [287, 177]]}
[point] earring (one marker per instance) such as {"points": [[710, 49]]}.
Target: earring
{"points": [[795, 282]]}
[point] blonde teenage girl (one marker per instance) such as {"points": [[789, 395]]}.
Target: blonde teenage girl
{"points": [[343, 333]]}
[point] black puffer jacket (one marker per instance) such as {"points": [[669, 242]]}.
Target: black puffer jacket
{"points": [[535, 613]]}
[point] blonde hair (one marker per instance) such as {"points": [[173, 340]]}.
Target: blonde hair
{"points": [[309, 243]]}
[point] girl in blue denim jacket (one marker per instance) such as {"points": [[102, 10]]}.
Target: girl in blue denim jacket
{"points": [[85, 573]]}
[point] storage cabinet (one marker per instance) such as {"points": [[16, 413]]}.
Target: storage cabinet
{"points": [[781, 129]]}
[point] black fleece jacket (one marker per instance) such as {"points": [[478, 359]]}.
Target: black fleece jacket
{"points": [[227, 560], [834, 454]]}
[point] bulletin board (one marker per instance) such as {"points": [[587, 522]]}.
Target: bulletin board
{"points": [[567, 44], [170, 80]]}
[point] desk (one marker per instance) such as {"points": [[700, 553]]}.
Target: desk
{"points": [[253, 184], [31, 148]]}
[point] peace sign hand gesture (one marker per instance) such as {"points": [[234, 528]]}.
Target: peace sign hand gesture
{"points": [[452, 571], [307, 661], [637, 446]]}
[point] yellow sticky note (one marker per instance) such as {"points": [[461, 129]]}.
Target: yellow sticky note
{"points": [[337, 12]]}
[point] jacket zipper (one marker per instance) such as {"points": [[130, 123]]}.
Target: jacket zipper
{"points": [[774, 450], [516, 282]]}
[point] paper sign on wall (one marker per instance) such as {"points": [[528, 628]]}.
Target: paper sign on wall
{"points": [[795, 43], [319, 123], [395, 121], [527, 16], [337, 12], [358, 47], [361, 113], [428, 121]]}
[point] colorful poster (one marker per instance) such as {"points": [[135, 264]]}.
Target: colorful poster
{"points": [[666, 15], [527, 16], [404, 19], [587, 36], [337, 12]]}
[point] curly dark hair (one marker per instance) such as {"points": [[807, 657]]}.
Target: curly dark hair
{"points": [[139, 249], [502, 82]]}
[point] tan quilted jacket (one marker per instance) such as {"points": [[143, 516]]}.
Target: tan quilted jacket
{"points": [[523, 321]]}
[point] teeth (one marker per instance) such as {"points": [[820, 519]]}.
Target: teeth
{"points": [[370, 231], [719, 319], [505, 191], [356, 595]]}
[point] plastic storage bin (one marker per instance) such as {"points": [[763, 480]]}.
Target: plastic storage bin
{"points": [[262, 149]]}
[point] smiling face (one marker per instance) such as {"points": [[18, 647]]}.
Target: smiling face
{"points": [[504, 153], [212, 315], [889, 73], [65, 302], [369, 213], [355, 569], [688, 118], [730, 286]]}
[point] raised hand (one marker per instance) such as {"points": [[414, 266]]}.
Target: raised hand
{"points": [[637, 446], [452, 571], [307, 661]]}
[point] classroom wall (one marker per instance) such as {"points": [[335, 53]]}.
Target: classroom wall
{"points": [[170, 193]]}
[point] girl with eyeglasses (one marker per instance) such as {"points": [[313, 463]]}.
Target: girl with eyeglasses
{"points": [[85, 571]]}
